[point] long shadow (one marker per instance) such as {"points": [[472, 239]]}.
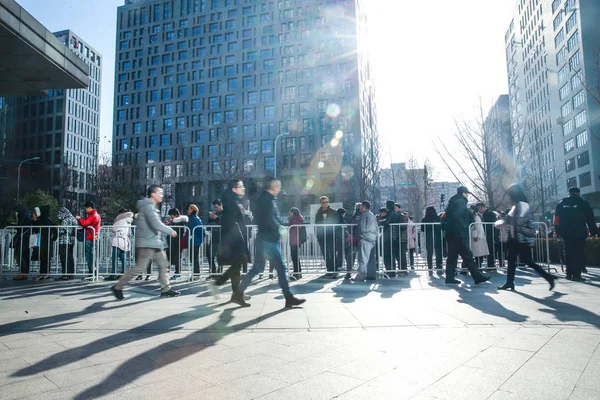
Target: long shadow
{"points": [[349, 291], [63, 290], [60, 320], [170, 352], [564, 312]]}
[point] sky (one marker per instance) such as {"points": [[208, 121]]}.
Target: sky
{"points": [[432, 61]]}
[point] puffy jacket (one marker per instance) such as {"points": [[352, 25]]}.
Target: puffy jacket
{"points": [[458, 217], [571, 217], [367, 227], [197, 233], [412, 234], [295, 223], [66, 233], [120, 231], [93, 221], [520, 226], [149, 229]]}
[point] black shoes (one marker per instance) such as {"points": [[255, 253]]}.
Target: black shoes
{"points": [[291, 301], [239, 299], [482, 280], [507, 286], [170, 293], [578, 279], [453, 282], [348, 276], [245, 296], [552, 282], [118, 293]]}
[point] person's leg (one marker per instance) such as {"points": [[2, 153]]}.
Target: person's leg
{"points": [[411, 254], [89, 251], [121, 254], [452, 260], [62, 256], [211, 259], [491, 258], [439, 257], [513, 252], [371, 254], [403, 249], [70, 259], [257, 267], [364, 254], [527, 258], [160, 258], [429, 249], [44, 255], [570, 258], [578, 247], [143, 257], [272, 252], [387, 255], [114, 260], [294, 256], [467, 258]]}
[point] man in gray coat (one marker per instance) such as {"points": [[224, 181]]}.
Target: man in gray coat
{"points": [[149, 246], [367, 233]]}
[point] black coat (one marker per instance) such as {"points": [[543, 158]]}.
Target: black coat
{"points": [[458, 217], [573, 217], [433, 233], [234, 245], [24, 223], [329, 233], [267, 217], [490, 217]]}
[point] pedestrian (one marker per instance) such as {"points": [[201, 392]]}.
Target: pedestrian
{"points": [[488, 217], [149, 246], [573, 218], [178, 223], [47, 235], [20, 241], [66, 243], [391, 240], [91, 225], [411, 229], [268, 245], [430, 226], [213, 240], [479, 245], [521, 237], [367, 238], [457, 221], [352, 240], [329, 238], [120, 241], [234, 247], [194, 224], [297, 239], [403, 235], [345, 245]]}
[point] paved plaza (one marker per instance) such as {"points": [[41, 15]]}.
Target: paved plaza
{"points": [[407, 338]]}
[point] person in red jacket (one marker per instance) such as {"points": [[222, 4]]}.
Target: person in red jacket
{"points": [[91, 224]]}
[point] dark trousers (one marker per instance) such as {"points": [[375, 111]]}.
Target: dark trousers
{"points": [[118, 255], [67, 261], [460, 246], [196, 256], [575, 256], [438, 254], [211, 254], [491, 258], [46, 249], [351, 251], [174, 257], [233, 273], [295, 259], [332, 252], [89, 255], [22, 255], [523, 251], [411, 257]]}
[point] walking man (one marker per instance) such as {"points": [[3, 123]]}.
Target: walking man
{"points": [[458, 219], [367, 234], [149, 246], [570, 218], [268, 245]]}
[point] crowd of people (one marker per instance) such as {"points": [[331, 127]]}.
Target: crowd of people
{"points": [[475, 233]]}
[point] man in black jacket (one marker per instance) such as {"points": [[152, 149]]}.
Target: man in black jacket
{"points": [[391, 240], [330, 238], [570, 218], [214, 227], [488, 217], [268, 246], [458, 220]]}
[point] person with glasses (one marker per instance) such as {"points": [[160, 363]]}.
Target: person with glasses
{"points": [[330, 238]]}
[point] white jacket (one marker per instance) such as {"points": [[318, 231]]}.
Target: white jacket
{"points": [[121, 230], [479, 247]]}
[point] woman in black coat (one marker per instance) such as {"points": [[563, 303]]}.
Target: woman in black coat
{"points": [[433, 237], [234, 247]]}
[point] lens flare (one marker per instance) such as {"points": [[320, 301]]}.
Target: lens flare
{"points": [[333, 110], [321, 165], [309, 184], [339, 135], [334, 142]]}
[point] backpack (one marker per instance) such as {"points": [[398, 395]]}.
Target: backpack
{"points": [[302, 236]]}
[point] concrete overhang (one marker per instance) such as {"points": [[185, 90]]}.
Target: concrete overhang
{"points": [[32, 59]]}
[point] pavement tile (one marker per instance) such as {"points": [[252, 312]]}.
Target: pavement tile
{"points": [[25, 388], [584, 394], [500, 359], [466, 383], [523, 341], [237, 369], [167, 389], [324, 386]]}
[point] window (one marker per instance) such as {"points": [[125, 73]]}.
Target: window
{"points": [[580, 119], [269, 112], [566, 109], [229, 70], [230, 117], [583, 159], [575, 60], [137, 128], [247, 82], [573, 41], [249, 165], [199, 137], [585, 179], [230, 100], [217, 118], [252, 147], [568, 127], [569, 145], [561, 56], [213, 150], [266, 96], [571, 22], [165, 140], [563, 73], [232, 132], [232, 84], [150, 157], [556, 5], [213, 103], [572, 182], [577, 79], [252, 97], [167, 124], [559, 38], [579, 99], [247, 67], [582, 138], [570, 165], [248, 114], [180, 122], [557, 21], [248, 130], [269, 163]]}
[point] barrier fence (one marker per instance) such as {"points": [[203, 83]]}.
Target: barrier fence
{"points": [[307, 249]]}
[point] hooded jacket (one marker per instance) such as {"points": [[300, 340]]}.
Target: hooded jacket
{"points": [[267, 217], [66, 233], [149, 229], [121, 229], [92, 221], [458, 217]]}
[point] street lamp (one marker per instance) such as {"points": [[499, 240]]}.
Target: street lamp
{"points": [[275, 155], [19, 175]]}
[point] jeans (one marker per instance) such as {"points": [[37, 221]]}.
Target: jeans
{"points": [[119, 254], [460, 246], [89, 255], [267, 251], [67, 261], [366, 260], [144, 257]]}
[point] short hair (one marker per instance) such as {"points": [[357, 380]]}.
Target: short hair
{"points": [[194, 208], [366, 204], [269, 182], [323, 198], [122, 211], [383, 209], [174, 212], [233, 184], [480, 204], [397, 205], [295, 211], [152, 189], [341, 210], [217, 202], [89, 204]]}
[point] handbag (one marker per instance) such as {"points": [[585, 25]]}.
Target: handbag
{"points": [[80, 235], [302, 235]]}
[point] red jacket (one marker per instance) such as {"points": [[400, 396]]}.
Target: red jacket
{"points": [[295, 229], [93, 221]]}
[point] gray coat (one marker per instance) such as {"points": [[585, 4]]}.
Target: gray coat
{"points": [[367, 227], [148, 226]]}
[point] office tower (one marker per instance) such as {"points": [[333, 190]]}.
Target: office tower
{"points": [[207, 91], [551, 51], [61, 128]]}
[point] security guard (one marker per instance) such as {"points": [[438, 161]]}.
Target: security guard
{"points": [[571, 217]]}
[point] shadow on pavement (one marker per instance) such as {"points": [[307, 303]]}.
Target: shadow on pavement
{"points": [[564, 312]]}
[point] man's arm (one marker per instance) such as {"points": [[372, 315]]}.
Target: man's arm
{"points": [[155, 224], [589, 219]]}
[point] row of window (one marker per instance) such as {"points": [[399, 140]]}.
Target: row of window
{"points": [[585, 179], [583, 159], [578, 141]]}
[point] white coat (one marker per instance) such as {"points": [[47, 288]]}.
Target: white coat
{"points": [[479, 245], [120, 231]]}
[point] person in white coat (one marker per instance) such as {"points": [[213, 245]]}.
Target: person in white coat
{"points": [[121, 242], [412, 241], [479, 245]]}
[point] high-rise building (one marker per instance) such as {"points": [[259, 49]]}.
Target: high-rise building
{"points": [[499, 152], [207, 91], [61, 128], [550, 51]]}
